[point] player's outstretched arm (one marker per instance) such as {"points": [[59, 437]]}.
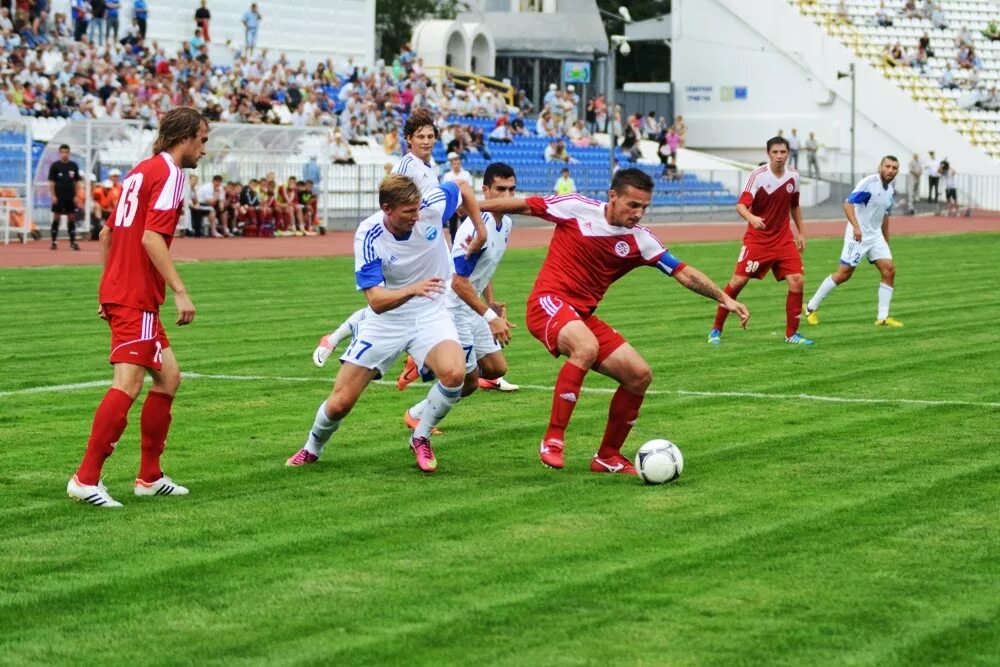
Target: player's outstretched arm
{"points": [[699, 283], [156, 247], [506, 206], [382, 299], [472, 209], [885, 227]]}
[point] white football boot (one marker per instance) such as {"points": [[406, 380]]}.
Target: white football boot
{"points": [[96, 494], [161, 487]]}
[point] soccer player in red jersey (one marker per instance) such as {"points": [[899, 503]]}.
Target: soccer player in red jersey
{"points": [[135, 249], [595, 244], [771, 193]]}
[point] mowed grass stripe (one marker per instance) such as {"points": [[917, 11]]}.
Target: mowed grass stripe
{"points": [[801, 532]]}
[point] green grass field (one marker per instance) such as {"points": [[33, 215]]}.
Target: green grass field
{"points": [[803, 531]]}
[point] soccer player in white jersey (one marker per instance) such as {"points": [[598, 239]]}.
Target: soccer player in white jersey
{"points": [[866, 236], [421, 134], [403, 266], [482, 326]]}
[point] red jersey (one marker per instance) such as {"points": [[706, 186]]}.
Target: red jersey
{"points": [[152, 199], [587, 254], [772, 198]]}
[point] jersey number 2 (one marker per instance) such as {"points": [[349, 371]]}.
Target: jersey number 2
{"points": [[128, 205]]}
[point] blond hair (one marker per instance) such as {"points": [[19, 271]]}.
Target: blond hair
{"points": [[396, 190], [176, 126]]}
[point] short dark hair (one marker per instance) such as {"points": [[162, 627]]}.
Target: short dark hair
{"points": [[633, 177], [217, 177], [497, 170], [889, 157], [419, 118], [774, 141], [64, 147]]}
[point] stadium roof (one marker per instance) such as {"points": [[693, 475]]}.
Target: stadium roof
{"points": [[275, 141], [575, 29]]}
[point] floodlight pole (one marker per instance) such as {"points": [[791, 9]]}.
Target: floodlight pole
{"points": [[854, 108], [612, 141]]}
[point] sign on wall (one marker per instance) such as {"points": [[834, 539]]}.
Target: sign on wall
{"points": [[576, 71], [730, 93], [698, 93]]}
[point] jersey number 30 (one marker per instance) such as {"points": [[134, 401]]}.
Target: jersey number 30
{"points": [[128, 205]]}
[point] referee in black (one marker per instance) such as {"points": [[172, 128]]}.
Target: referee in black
{"points": [[64, 175]]}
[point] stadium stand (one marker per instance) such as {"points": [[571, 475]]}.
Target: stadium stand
{"points": [[888, 34]]}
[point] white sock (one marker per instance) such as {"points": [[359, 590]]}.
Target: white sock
{"points": [[322, 429], [440, 400], [418, 409], [884, 299], [824, 290], [348, 328]]}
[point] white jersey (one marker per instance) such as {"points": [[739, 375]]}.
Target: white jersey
{"points": [[479, 269], [423, 174], [382, 259], [872, 202]]}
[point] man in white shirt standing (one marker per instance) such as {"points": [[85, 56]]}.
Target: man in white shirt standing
{"points": [[916, 169], [793, 149], [931, 168], [866, 236]]}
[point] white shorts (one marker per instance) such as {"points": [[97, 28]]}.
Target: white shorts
{"points": [[379, 341], [873, 248], [474, 336]]}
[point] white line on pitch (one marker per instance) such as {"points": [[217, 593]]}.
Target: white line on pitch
{"points": [[533, 387]]}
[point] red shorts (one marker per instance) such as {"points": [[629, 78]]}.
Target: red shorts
{"points": [[756, 260], [548, 314], [137, 337]]}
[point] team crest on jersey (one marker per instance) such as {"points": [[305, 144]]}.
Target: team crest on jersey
{"points": [[790, 188], [392, 259], [430, 233], [621, 249]]}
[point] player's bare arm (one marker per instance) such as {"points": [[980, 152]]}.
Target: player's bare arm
{"points": [[699, 283], [383, 299], [471, 208], [506, 206], [755, 221], [104, 245], [491, 300], [499, 326], [156, 247], [885, 227], [800, 237], [853, 219]]}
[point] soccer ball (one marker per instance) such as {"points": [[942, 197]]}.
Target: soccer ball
{"points": [[659, 461]]}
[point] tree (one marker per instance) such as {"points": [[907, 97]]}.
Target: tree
{"points": [[395, 20]]}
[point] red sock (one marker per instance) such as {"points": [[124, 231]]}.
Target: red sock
{"points": [[721, 313], [155, 424], [567, 391], [110, 421], [793, 311], [622, 414]]}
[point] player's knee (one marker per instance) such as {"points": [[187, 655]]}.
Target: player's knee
{"points": [[795, 282], [584, 354], [339, 406], [451, 376], [491, 369], [889, 273], [640, 379], [131, 386]]}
